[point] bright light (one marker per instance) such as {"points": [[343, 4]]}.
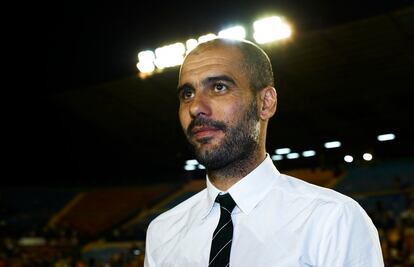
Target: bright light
{"points": [[386, 137], [146, 61], [191, 44], [146, 55], [264, 31], [277, 157], [367, 156], [170, 55], [193, 162], [270, 29], [348, 158], [292, 155], [206, 38], [145, 67], [282, 151], [332, 144], [201, 167], [189, 167], [308, 153], [237, 33]]}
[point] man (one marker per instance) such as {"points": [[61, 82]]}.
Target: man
{"points": [[250, 214]]}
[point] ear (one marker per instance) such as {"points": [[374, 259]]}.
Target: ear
{"points": [[268, 102]]}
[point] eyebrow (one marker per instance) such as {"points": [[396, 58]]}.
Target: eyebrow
{"points": [[208, 81]]}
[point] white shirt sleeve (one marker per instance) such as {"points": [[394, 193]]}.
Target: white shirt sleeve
{"points": [[349, 239]]}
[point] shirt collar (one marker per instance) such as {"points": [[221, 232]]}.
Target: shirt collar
{"points": [[250, 190], [212, 193]]}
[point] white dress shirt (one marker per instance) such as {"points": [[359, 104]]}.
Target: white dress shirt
{"points": [[278, 221]]}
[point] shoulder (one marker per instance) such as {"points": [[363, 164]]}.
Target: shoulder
{"points": [[342, 233], [299, 188], [320, 202], [324, 202]]}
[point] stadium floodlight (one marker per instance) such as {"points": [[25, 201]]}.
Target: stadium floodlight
{"points": [[146, 61], [206, 38], [367, 156], [333, 144], [170, 55], [270, 29], [193, 162], [348, 158], [190, 45], [292, 155], [190, 167], [236, 32], [282, 151], [145, 67], [277, 157], [308, 153], [146, 56], [386, 137]]}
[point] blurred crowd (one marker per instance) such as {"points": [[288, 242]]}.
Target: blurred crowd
{"points": [[396, 232]]}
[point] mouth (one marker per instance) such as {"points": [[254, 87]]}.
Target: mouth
{"points": [[201, 132]]}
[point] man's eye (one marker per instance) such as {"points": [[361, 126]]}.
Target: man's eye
{"points": [[187, 93], [219, 87]]}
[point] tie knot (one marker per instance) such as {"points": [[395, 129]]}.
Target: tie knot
{"points": [[226, 201]]}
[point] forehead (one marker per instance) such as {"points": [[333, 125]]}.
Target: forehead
{"points": [[211, 61]]}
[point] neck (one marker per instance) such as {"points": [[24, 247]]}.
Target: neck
{"points": [[226, 177]]}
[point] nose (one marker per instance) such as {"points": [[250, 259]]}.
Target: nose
{"points": [[200, 105]]}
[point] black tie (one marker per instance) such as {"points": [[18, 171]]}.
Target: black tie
{"points": [[223, 235]]}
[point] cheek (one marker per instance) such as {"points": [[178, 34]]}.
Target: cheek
{"points": [[229, 112], [184, 118]]}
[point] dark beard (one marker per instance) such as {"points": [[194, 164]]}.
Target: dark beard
{"points": [[238, 145]]}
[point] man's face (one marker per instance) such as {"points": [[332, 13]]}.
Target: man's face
{"points": [[218, 111]]}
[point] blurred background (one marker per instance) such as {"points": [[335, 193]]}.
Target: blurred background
{"points": [[94, 150]]}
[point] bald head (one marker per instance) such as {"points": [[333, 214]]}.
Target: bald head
{"points": [[254, 61]]}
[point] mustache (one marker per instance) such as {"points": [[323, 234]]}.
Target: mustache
{"points": [[201, 121]]}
